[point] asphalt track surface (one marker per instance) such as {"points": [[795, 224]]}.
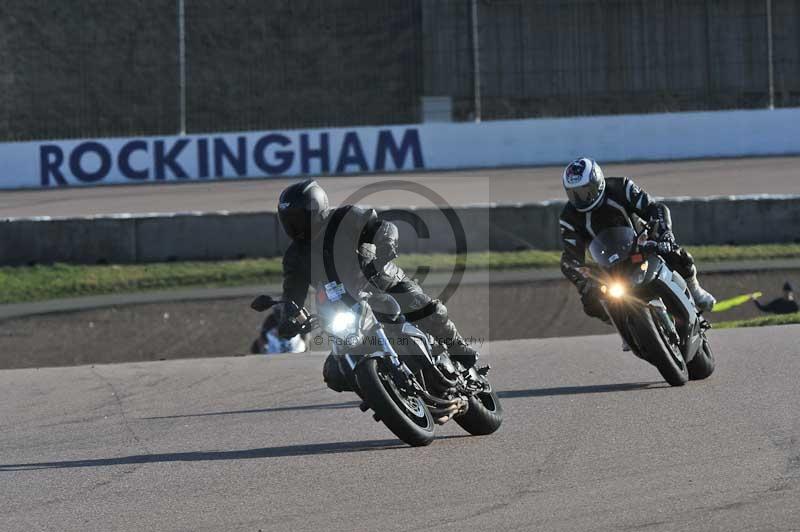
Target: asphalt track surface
{"points": [[710, 177], [592, 440]]}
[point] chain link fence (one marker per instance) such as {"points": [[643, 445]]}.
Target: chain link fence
{"points": [[90, 68], [87, 68]]}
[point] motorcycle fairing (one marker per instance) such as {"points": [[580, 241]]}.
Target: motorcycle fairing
{"points": [[670, 287]]}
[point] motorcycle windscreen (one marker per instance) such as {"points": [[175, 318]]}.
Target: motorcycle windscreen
{"points": [[612, 246]]}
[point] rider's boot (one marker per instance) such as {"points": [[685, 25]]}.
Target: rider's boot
{"points": [[705, 301], [460, 351], [444, 331], [333, 376]]}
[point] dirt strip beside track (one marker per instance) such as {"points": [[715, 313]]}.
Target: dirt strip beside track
{"points": [[169, 330]]}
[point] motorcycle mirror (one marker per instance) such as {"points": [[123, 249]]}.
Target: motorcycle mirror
{"points": [[262, 303]]}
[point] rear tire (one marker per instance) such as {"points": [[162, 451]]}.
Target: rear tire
{"points": [[407, 417], [659, 351], [703, 364], [484, 415]]}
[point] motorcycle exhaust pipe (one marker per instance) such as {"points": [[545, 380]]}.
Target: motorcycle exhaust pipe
{"points": [[443, 415], [450, 410], [437, 402]]}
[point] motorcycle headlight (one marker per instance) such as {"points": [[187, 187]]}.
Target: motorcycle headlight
{"points": [[342, 323], [615, 290]]}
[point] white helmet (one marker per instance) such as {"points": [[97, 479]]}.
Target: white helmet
{"points": [[585, 184]]}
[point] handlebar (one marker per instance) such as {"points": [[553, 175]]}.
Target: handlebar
{"points": [[649, 246], [311, 323], [299, 317]]}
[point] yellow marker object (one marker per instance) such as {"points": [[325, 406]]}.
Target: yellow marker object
{"points": [[728, 304]]}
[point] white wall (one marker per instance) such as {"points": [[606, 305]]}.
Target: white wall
{"points": [[434, 146]]}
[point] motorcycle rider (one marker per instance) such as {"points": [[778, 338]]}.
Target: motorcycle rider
{"points": [[349, 244], [597, 203]]}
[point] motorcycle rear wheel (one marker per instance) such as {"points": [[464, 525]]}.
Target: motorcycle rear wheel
{"points": [[703, 364], [484, 415], [407, 417]]}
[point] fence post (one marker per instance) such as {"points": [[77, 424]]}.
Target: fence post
{"points": [[770, 58], [476, 62], [182, 65]]}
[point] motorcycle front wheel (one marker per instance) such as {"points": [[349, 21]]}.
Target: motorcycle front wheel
{"points": [[659, 350], [407, 417]]}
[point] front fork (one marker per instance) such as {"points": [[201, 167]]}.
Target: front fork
{"points": [[441, 409], [662, 315], [616, 318], [401, 374], [659, 309]]}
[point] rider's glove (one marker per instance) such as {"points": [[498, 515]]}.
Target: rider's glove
{"points": [[587, 288], [667, 236], [292, 327], [664, 248], [289, 328], [666, 243], [370, 264]]}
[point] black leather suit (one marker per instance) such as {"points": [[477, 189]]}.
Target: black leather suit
{"points": [[357, 249], [622, 202]]}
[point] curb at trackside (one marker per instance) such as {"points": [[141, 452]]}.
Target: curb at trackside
{"points": [[58, 306]]}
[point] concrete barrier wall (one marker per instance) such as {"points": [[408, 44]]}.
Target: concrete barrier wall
{"points": [[77, 240], [219, 236], [141, 239]]}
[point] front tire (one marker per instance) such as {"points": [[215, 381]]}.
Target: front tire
{"points": [[484, 415], [703, 364], [660, 351], [407, 417]]}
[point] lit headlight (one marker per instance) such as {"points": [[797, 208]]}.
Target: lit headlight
{"points": [[343, 322], [615, 290]]}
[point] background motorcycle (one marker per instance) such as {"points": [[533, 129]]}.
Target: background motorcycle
{"points": [[408, 381], [650, 305]]}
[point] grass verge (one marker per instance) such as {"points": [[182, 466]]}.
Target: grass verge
{"points": [[38, 283], [763, 321]]}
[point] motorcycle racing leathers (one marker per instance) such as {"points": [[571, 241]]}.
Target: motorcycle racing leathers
{"points": [[358, 249], [622, 200]]}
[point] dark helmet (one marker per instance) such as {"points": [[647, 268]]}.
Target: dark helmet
{"points": [[301, 209], [584, 183], [788, 287]]}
